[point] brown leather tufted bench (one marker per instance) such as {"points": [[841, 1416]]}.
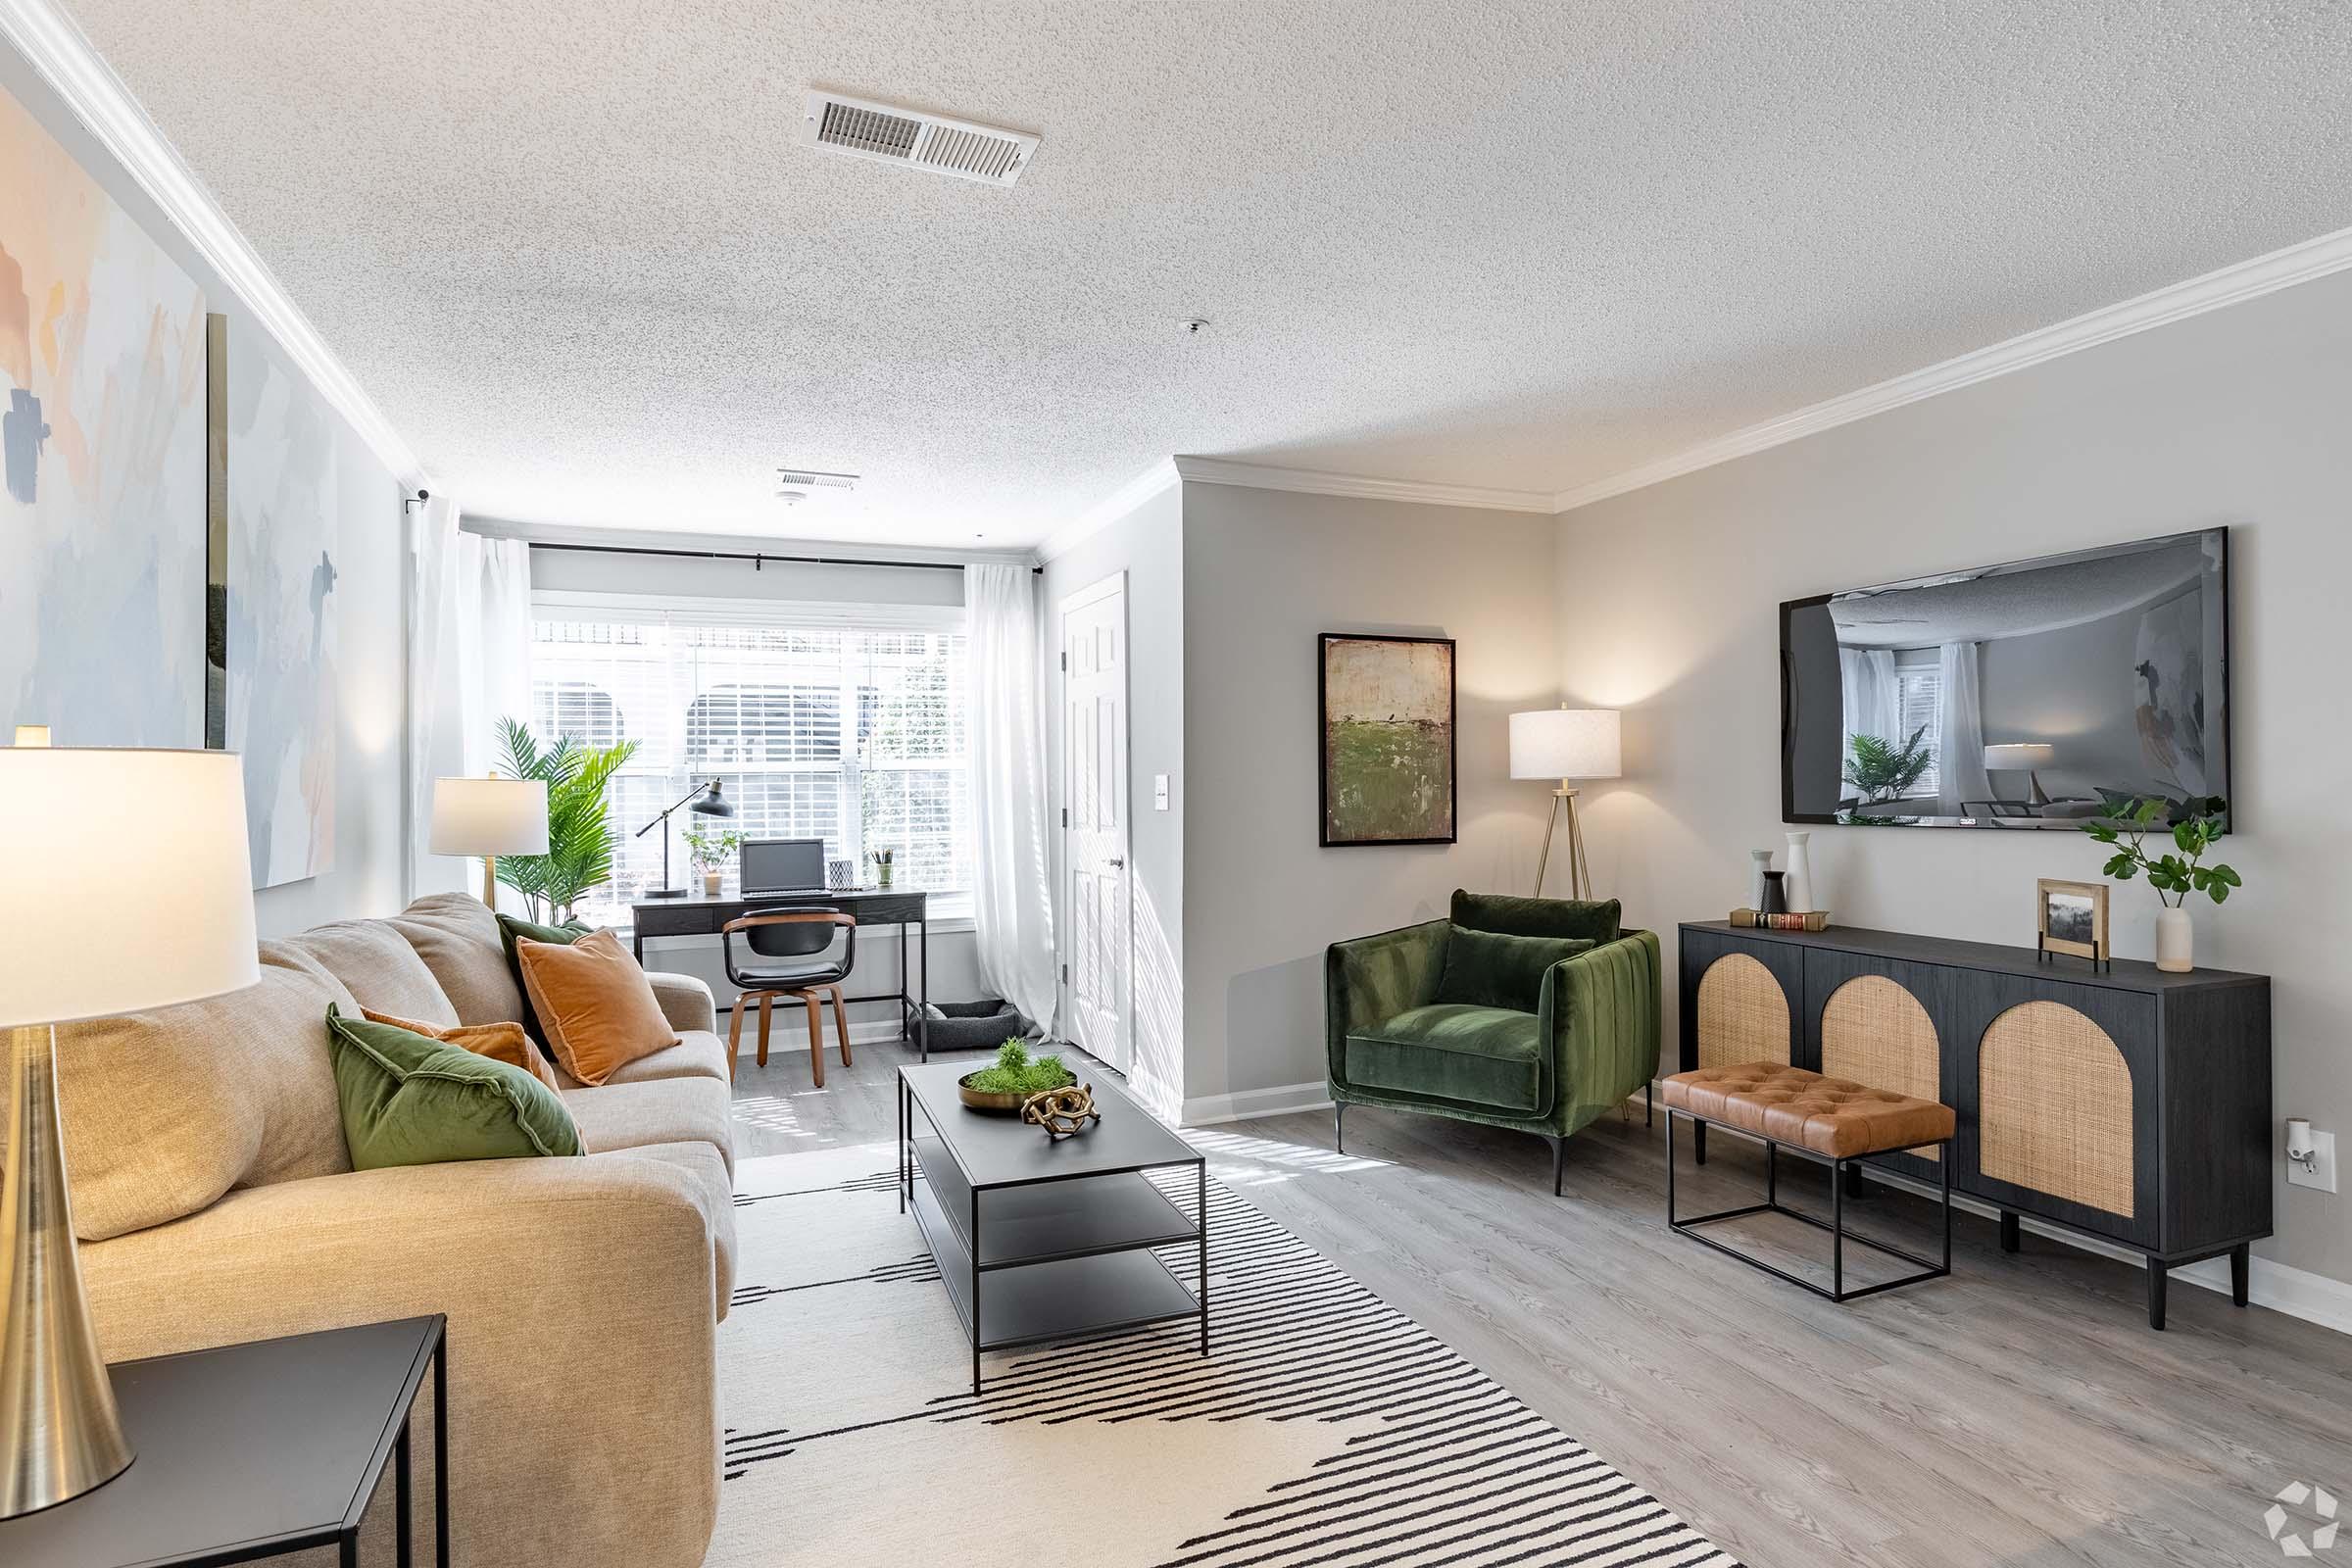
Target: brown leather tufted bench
{"points": [[1831, 1121]]}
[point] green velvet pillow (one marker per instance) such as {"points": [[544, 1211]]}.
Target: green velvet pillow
{"points": [[509, 928], [1489, 969], [1592, 919], [411, 1099]]}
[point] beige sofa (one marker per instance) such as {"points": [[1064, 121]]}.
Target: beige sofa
{"points": [[217, 1204]]}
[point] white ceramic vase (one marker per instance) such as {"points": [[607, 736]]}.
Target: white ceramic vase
{"points": [[1800, 882], [711, 883], [2175, 941]]}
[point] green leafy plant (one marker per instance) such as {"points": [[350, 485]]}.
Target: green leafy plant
{"points": [[1884, 771], [2174, 875], [1017, 1073], [579, 844], [710, 849]]}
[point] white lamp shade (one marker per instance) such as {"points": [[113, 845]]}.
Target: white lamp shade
{"points": [[33, 734], [1566, 743], [489, 817], [2021, 757], [130, 885]]}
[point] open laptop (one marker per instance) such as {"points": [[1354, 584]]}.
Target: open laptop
{"points": [[781, 867]]}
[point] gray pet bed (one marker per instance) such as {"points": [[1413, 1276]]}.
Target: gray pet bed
{"points": [[977, 1026]]}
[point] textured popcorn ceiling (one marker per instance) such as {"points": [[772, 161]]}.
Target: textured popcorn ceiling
{"points": [[576, 253]]}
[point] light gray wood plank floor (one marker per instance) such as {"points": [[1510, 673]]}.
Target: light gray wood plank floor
{"points": [[2020, 1413]]}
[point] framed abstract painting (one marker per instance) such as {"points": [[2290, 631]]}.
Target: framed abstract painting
{"points": [[1386, 736]]}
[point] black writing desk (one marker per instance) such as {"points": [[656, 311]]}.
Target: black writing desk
{"points": [[704, 918]]}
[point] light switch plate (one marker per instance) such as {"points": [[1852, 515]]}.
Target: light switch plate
{"points": [[2321, 1175], [1160, 792]]}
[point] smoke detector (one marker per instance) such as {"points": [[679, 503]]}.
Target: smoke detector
{"points": [[857, 128]]}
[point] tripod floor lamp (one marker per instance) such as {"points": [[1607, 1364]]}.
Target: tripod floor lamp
{"points": [[1566, 743]]}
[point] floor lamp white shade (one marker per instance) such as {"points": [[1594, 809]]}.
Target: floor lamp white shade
{"points": [[32, 735], [1566, 743], [192, 909], [489, 817]]}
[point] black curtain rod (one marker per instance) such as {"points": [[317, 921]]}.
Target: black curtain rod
{"points": [[757, 557]]}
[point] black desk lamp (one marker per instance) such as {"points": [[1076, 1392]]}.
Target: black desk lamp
{"points": [[708, 800]]}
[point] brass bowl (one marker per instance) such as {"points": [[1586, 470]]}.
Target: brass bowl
{"points": [[1002, 1103]]}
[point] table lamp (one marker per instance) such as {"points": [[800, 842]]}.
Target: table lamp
{"points": [[1566, 743], [710, 800], [193, 908], [489, 817], [33, 734], [2023, 756]]}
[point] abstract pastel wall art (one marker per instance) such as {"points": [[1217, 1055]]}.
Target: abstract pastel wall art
{"points": [[102, 431], [283, 603], [1387, 739]]}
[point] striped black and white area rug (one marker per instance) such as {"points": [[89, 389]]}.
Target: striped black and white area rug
{"points": [[1324, 1428]]}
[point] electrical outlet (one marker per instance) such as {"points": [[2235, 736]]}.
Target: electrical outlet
{"points": [[2322, 1172], [1160, 792]]}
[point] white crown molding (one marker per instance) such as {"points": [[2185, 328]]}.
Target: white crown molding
{"points": [[64, 56], [2215, 290], [1107, 511], [1309, 481]]}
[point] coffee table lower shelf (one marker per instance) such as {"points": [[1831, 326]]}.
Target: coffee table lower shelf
{"points": [[1067, 1298]]}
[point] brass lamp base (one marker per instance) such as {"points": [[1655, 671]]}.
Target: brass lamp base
{"points": [[1580, 877], [59, 1434]]}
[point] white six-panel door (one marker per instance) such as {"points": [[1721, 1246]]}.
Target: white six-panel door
{"points": [[1098, 947]]}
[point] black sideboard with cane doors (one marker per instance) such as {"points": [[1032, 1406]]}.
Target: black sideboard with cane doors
{"points": [[2124, 1104]]}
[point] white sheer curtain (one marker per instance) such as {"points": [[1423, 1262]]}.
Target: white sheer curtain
{"points": [[1013, 901], [1874, 704], [468, 664], [1960, 753]]}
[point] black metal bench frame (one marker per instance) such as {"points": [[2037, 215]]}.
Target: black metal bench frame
{"points": [[1840, 1167]]}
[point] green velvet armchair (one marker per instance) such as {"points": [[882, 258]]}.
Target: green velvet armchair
{"points": [[1531, 1014]]}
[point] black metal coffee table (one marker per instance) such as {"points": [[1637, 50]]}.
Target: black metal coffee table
{"points": [[1061, 1230], [256, 1450]]}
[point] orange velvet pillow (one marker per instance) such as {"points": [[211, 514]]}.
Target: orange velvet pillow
{"points": [[595, 1005], [499, 1042]]}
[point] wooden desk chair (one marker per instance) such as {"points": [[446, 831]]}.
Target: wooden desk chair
{"points": [[800, 939]]}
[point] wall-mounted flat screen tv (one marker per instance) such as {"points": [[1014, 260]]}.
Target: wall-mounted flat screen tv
{"points": [[2035, 696]]}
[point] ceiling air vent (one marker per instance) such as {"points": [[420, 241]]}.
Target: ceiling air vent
{"points": [[917, 140], [817, 479]]}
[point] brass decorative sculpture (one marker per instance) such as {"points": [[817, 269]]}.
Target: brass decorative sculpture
{"points": [[1062, 1113]]}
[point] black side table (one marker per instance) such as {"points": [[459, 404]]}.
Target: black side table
{"points": [[256, 1450]]}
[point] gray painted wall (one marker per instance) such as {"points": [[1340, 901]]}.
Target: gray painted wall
{"points": [[1147, 545], [1666, 609], [1265, 571], [372, 655]]}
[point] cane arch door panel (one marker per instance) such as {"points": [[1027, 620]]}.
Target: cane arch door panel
{"points": [[2054, 1108], [1875, 1032], [1743, 1014]]}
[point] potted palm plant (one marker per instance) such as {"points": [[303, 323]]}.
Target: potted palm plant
{"points": [[579, 842]]}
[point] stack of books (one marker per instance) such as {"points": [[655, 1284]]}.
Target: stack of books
{"points": [[1812, 921]]}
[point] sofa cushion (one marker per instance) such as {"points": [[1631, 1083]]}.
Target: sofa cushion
{"points": [[1594, 920], [714, 1191], [1486, 1057], [457, 937], [411, 1099], [699, 1054], [377, 966], [595, 1004], [166, 1110], [672, 1110], [1491, 969]]}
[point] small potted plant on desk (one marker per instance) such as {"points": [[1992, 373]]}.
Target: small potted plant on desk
{"points": [[710, 851], [2197, 825]]}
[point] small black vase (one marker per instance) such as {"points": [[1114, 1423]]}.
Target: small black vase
{"points": [[1776, 892]]}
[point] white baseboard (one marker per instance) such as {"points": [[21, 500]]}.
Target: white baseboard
{"points": [[1280, 1101]]}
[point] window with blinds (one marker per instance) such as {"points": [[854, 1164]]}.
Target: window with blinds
{"points": [[1920, 691], [849, 734]]}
